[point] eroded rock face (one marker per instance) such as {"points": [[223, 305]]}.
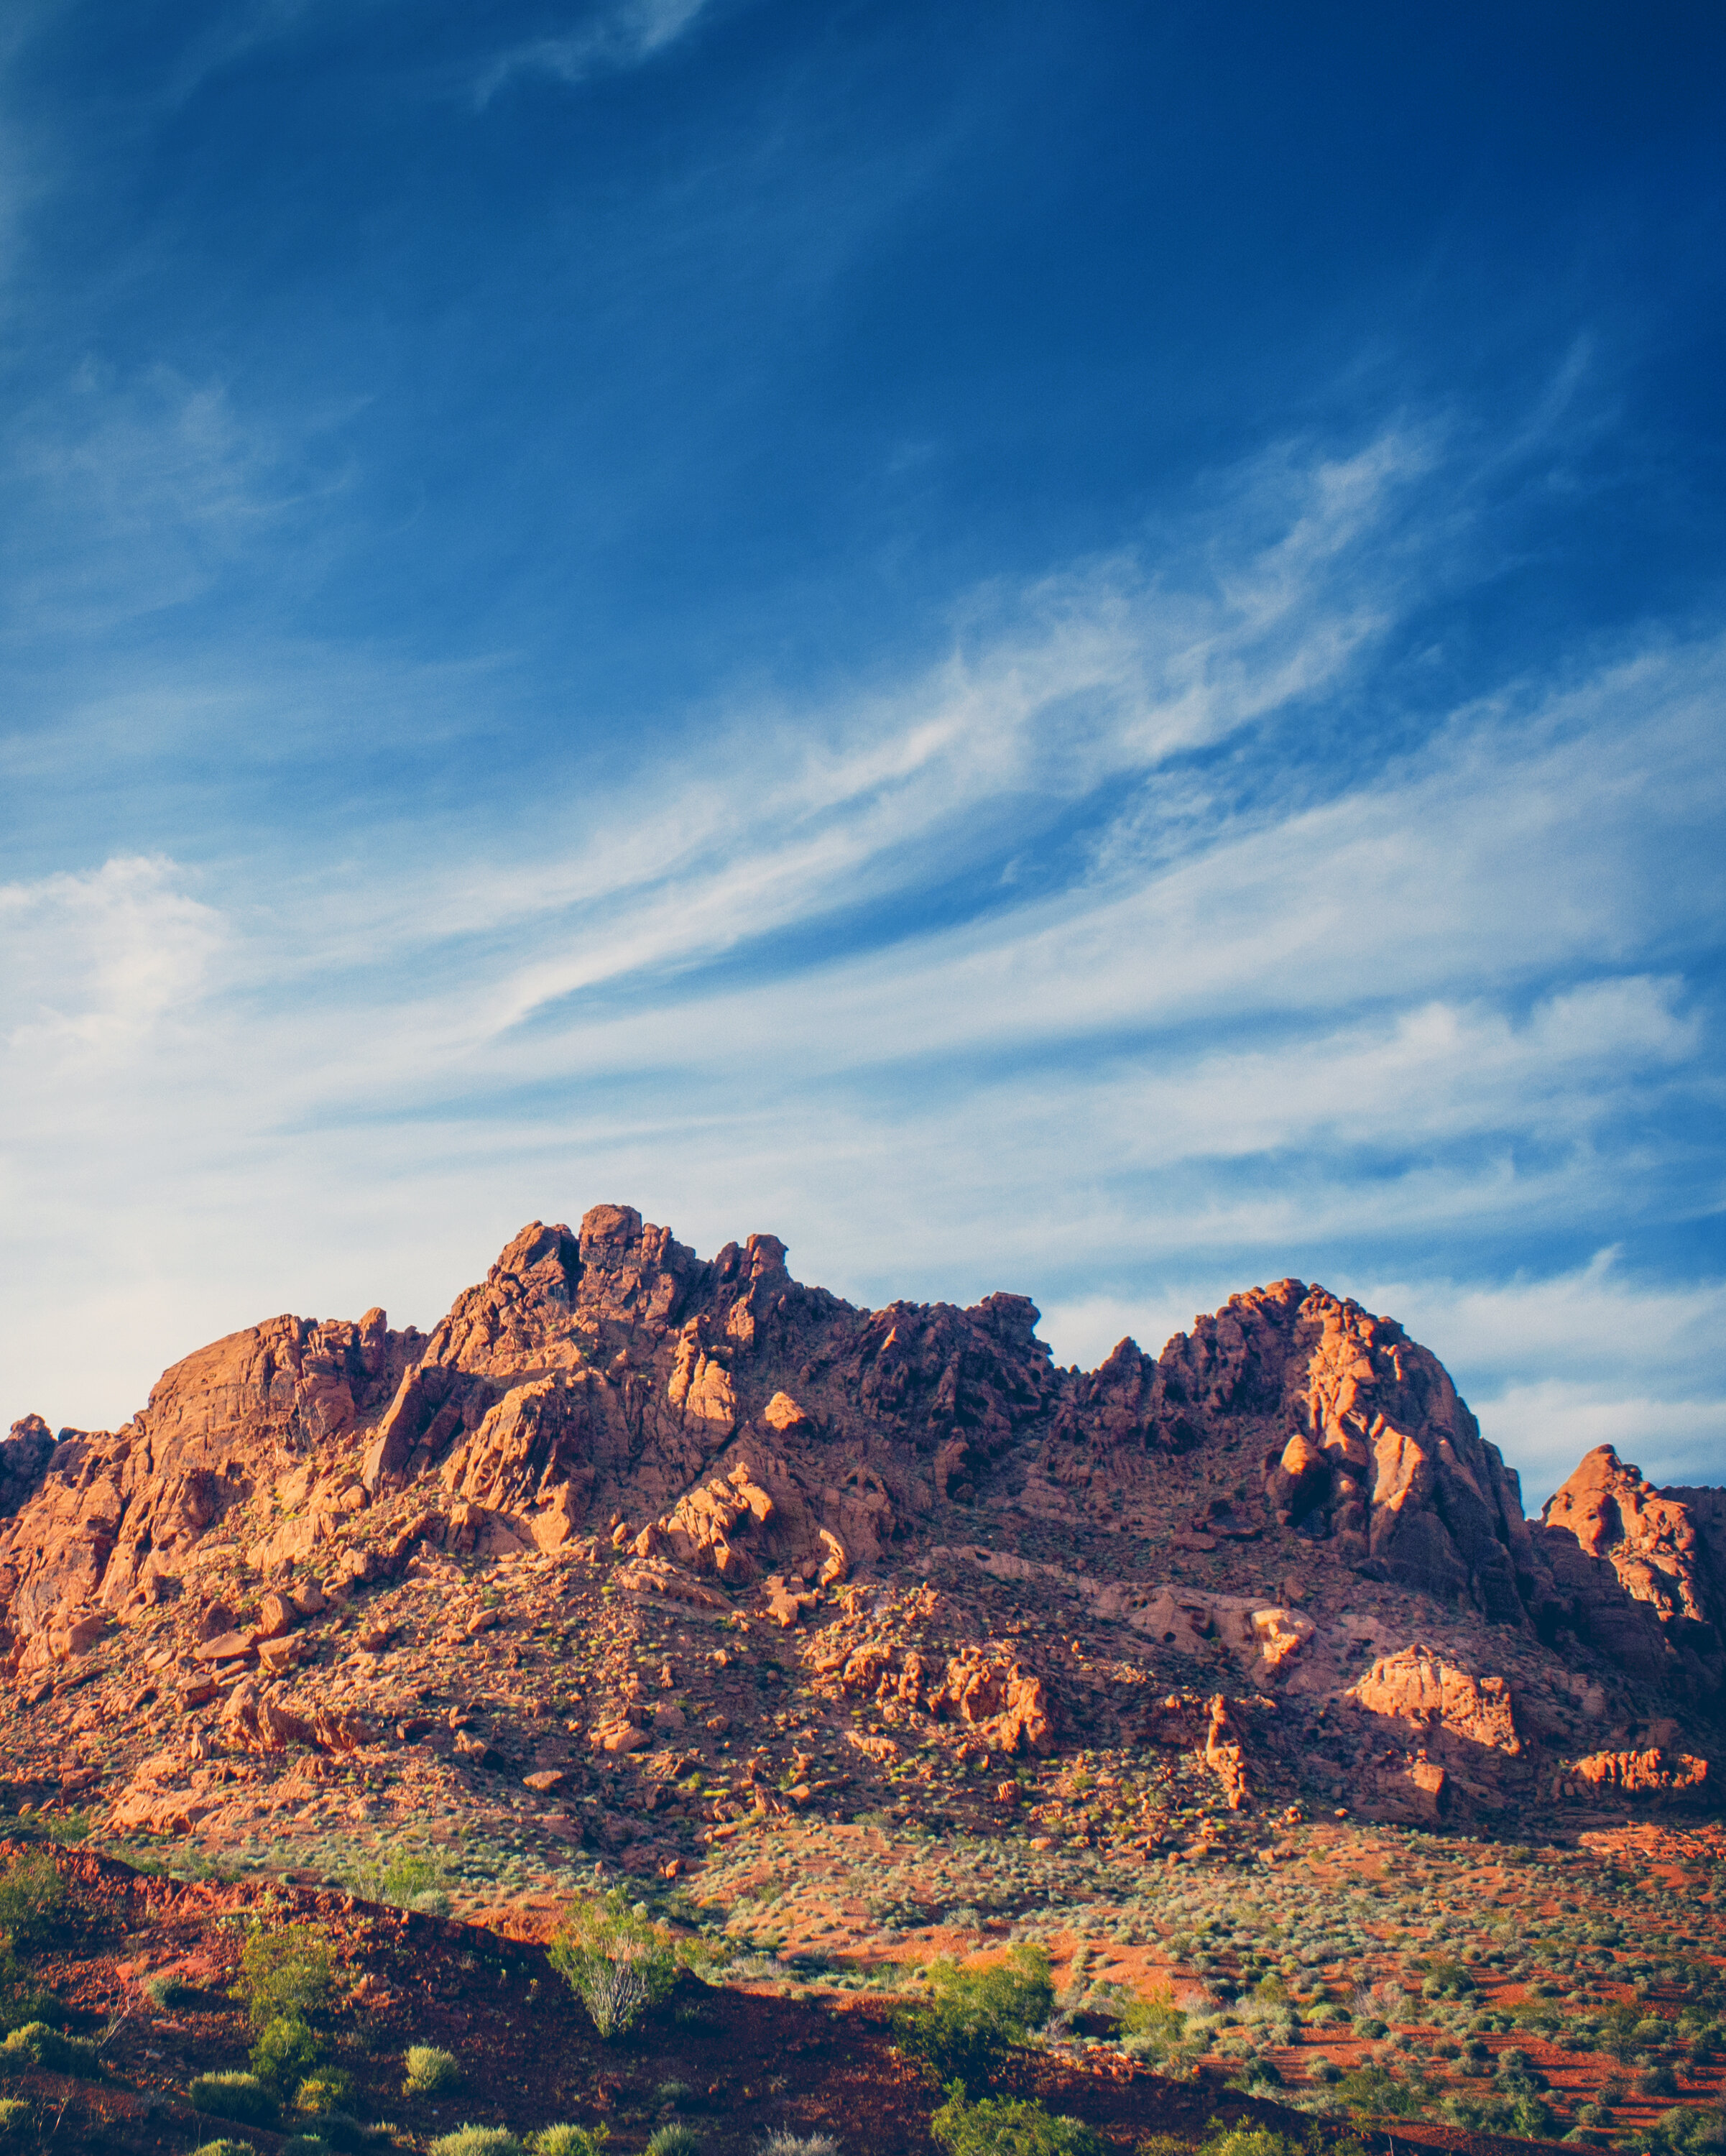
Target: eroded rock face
{"points": [[1430, 1698], [1665, 1548], [727, 1430]]}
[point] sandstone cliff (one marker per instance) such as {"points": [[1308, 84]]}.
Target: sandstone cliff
{"points": [[1290, 1485]]}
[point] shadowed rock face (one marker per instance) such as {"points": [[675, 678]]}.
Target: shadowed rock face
{"points": [[1666, 1550], [726, 1426]]}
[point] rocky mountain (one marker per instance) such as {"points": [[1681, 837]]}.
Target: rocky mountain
{"points": [[1281, 1546]]}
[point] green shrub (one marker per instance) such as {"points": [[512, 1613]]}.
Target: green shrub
{"points": [[569, 2141], [32, 1900], [1221, 2140], [974, 2015], [615, 1961], [225, 2148], [37, 2043], [405, 1882], [167, 1991], [287, 2050], [325, 2090], [999, 2126], [232, 2095], [21, 1999], [1154, 2025], [285, 1974], [14, 2114], [477, 2141], [780, 2142], [674, 2141], [429, 2070], [1374, 2092]]}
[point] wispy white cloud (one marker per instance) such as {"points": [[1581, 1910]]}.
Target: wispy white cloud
{"points": [[1590, 1357], [621, 35], [1440, 996]]}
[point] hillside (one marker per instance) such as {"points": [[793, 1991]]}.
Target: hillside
{"points": [[852, 1635]]}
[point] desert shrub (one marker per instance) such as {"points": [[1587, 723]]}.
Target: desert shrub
{"points": [[614, 1959], [38, 2044], [1222, 2140], [406, 1881], [1657, 2079], [674, 2141], [569, 2141], [325, 2090], [780, 2142], [225, 2146], [232, 2095], [14, 2114], [285, 1974], [477, 2141], [286, 2052], [1321, 2069], [999, 2126], [32, 1900], [972, 2016], [1154, 2025], [1686, 2132], [21, 1999], [167, 1991], [429, 2070], [1374, 2092]]}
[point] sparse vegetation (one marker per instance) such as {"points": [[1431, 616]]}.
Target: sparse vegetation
{"points": [[974, 2015], [427, 2068], [1002, 2126], [674, 2140], [615, 1958], [232, 2095], [569, 2141], [477, 2141], [37, 2043], [33, 1901]]}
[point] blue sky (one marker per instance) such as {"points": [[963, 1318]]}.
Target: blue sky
{"points": [[1074, 648]]}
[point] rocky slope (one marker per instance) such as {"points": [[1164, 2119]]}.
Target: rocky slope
{"points": [[1281, 1548]]}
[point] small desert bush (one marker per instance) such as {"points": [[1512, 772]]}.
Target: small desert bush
{"points": [[404, 1882], [999, 2126], [286, 2053], [429, 2070], [167, 1991], [1221, 2140], [1374, 2092], [323, 2092], [37, 2043], [285, 1974], [614, 1959], [974, 2015], [225, 2146], [232, 2095], [674, 2141], [21, 1999], [33, 1901], [780, 2142], [569, 2141], [477, 2141]]}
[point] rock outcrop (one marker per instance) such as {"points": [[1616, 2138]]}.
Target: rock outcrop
{"points": [[1666, 1549], [724, 1436]]}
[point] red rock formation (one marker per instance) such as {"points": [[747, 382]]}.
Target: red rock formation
{"points": [[1665, 1548], [729, 1430]]}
